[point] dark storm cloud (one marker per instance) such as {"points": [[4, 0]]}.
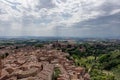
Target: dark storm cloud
{"points": [[105, 26], [109, 6], [100, 21]]}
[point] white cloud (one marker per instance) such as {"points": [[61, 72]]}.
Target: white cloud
{"points": [[115, 11], [29, 7], [54, 13]]}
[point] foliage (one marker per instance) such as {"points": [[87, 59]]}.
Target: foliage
{"points": [[101, 60], [57, 72], [110, 60], [99, 75], [2, 56], [116, 71], [39, 45]]}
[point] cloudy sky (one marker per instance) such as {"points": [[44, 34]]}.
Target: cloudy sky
{"points": [[71, 18]]}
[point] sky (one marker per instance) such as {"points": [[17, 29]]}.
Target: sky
{"points": [[60, 18]]}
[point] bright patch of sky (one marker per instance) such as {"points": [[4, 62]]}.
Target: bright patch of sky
{"points": [[75, 18]]}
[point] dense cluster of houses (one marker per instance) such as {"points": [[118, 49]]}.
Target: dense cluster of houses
{"points": [[31, 63]]}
